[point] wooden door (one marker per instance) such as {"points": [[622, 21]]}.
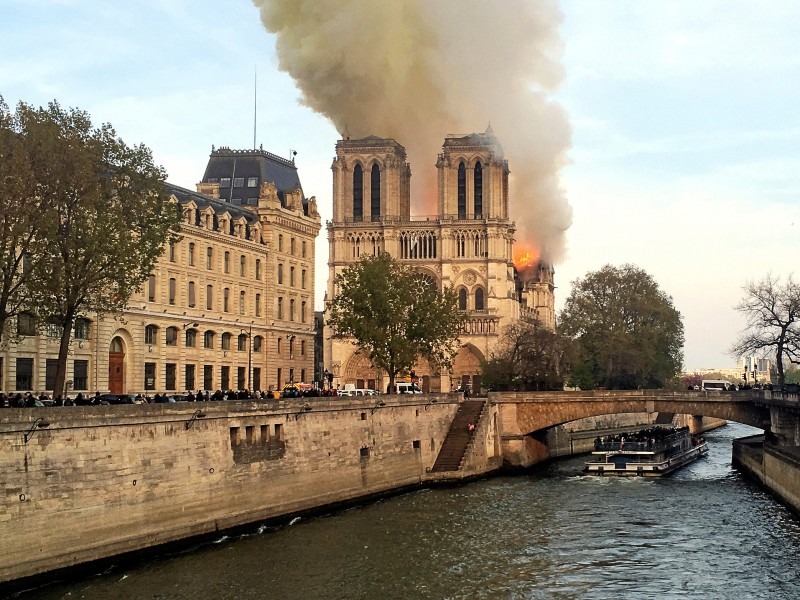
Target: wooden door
{"points": [[116, 372]]}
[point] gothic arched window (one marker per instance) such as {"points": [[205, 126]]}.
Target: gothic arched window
{"points": [[462, 191], [375, 193], [358, 194], [479, 299], [478, 190], [462, 299]]}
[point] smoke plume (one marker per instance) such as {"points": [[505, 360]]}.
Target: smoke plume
{"points": [[417, 70]]}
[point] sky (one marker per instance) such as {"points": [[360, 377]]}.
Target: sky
{"points": [[685, 116]]}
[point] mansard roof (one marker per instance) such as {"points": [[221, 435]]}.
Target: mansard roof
{"points": [[224, 163], [202, 202]]}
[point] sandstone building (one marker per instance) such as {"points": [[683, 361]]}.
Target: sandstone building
{"points": [[467, 243], [229, 306]]}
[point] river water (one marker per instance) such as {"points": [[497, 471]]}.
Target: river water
{"points": [[704, 533]]}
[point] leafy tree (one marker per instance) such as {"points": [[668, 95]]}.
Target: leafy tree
{"points": [[395, 315], [103, 222], [772, 310], [628, 331], [20, 213], [528, 357]]}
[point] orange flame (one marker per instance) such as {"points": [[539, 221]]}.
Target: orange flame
{"points": [[525, 256]]}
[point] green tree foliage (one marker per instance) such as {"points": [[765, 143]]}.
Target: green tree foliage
{"points": [[528, 357], [772, 310], [395, 315], [104, 217], [20, 213], [628, 331]]}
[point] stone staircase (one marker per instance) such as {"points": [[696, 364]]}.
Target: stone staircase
{"points": [[458, 438]]}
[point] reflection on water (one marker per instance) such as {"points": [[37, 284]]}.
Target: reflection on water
{"points": [[704, 532]]}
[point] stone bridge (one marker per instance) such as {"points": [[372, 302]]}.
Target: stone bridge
{"points": [[524, 417]]}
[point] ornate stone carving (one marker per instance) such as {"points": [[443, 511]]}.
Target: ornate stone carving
{"points": [[470, 278]]}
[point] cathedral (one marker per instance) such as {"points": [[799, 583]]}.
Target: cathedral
{"points": [[468, 244]]}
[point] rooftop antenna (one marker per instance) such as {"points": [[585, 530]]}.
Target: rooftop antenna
{"points": [[255, 102]]}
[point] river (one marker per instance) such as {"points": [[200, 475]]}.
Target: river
{"points": [[704, 533]]}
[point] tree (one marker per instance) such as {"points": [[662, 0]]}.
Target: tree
{"points": [[772, 311], [395, 315], [20, 212], [529, 356], [628, 331], [104, 217]]}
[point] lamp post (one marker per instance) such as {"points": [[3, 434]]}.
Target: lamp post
{"points": [[249, 335]]}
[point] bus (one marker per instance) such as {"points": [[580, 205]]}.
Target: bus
{"points": [[717, 385]]}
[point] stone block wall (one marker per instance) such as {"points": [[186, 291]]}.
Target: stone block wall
{"points": [[99, 481]]}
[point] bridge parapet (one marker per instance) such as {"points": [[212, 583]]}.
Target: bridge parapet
{"points": [[523, 413]]}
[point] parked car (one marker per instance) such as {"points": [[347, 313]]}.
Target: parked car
{"points": [[121, 399]]}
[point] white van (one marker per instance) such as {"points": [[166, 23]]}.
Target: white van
{"points": [[352, 390], [406, 387]]}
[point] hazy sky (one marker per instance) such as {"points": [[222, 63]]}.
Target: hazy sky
{"points": [[685, 156]]}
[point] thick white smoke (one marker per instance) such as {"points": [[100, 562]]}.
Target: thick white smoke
{"points": [[417, 70]]}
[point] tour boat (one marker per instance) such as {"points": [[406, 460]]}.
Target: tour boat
{"points": [[653, 452]]}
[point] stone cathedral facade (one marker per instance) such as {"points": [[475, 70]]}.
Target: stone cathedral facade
{"points": [[468, 243]]}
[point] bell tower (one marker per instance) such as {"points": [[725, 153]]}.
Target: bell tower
{"points": [[473, 178], [371, 181]]}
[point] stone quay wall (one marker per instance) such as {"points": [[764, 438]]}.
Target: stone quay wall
{"points": [[776, 468], [84, 483]]}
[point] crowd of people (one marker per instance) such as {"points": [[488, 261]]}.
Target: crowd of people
{"points": [[29, 400], [646, 439]]}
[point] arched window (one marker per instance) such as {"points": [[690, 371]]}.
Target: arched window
{"points": [[208, 339], [191, 254], [191, 338], [280, 308], [479, 299], [171, 337], [151, 334], [358, 194], [258, 269], [462, 299], [226, 293], [291, 276], [116, 346], [242, 265], [226, 341], [209, 257], [302, 347], [241, 302], [209, 297], [279, 345], [242, 343], [258, 305], [191, 294], [291, 309], [462, 191], [478, 190], [257, 343], [375, 193], [280, 273]]}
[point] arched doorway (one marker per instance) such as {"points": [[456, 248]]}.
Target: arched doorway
{"points": [[116, 366], [466, 371]]}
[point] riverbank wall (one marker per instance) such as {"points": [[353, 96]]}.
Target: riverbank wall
{"points": [[85, 483], [775, 468]]}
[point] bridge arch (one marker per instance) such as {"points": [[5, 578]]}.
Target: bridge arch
{"points": [[526, 413]]}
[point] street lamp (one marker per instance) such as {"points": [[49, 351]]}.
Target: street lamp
{"points": [[249, 335]]}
